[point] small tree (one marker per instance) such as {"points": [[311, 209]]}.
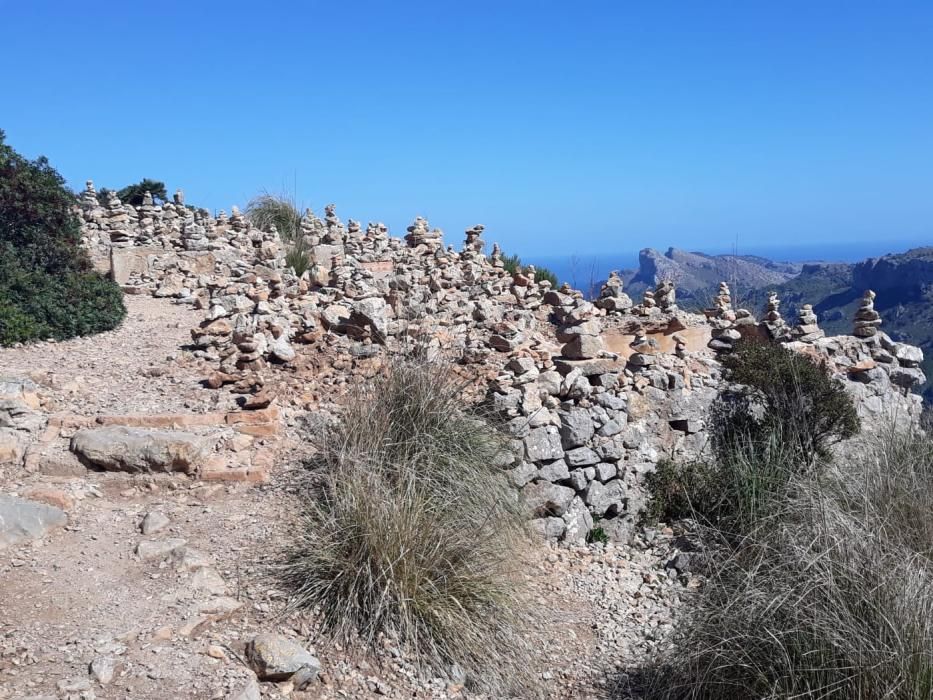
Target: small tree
{"points": [[133, 194], [47, 285]]}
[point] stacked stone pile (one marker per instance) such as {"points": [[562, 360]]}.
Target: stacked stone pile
{"points": [[611, 297], [867, 319], [773, 323], [587, 423], [807, 329]]}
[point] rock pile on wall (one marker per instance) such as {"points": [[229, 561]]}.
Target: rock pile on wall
{"points": [[592, 393]]}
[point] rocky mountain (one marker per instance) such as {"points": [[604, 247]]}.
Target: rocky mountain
{"points": [[697, 273]]}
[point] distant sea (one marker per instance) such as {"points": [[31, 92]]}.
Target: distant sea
{"points": [[580, 269]]}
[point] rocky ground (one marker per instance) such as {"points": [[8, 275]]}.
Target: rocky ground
{"points": [[157, 583]]}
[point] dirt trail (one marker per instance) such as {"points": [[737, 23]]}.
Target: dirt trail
{"points": [[175, 627]]}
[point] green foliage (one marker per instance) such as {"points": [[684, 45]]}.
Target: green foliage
{"points": [[133, 194], [513, 263], [790, 399], [830, 596], [597, 535], [37, 225], [268, 210], [47, 286], [298, 257], [777, 425], [409, 530]]}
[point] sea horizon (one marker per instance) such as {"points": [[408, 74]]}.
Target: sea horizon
{"points": [[580, 269]]}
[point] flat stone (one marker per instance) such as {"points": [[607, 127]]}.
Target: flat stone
{"points": [[277, 658], [576, 427], [543, 444], [554, 471], [22, 520], [138, 450], [158, 549], [154, 522], [581, 457]]}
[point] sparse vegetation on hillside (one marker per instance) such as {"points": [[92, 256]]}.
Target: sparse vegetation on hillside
{"points": [[821, 581], [829, 596], [268, 210], [47, 286], [410, 530]]}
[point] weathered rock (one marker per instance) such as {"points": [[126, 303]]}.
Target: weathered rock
{"points": [[576, 427], [154, 522], [22, 520], [277, 658], [544, 498], [140, 449], [158, 549], [543, 444]]}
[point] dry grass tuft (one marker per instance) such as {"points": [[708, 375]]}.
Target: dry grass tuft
{"points": [[411, 531]]}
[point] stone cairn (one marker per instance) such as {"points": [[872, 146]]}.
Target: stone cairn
{"points": [[89, 196], [773, 322], [420, 234], [680, 346], [118, 221], [723, 318], [867, 319], [648, 303], [807, 329], [580, 331], [665, 295], [611, 297], [474, 239], [644, 351]]}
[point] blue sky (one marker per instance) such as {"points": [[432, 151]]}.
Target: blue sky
{"points": [[563, 127]]}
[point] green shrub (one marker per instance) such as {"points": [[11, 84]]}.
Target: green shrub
{"points": [[268, 210], [410, 530], [48, 288], [134, 194], [780, 423], [789, 397], [830, 597], [513, 263]]}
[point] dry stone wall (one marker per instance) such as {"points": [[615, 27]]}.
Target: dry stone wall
{"points": [[592, 393]]}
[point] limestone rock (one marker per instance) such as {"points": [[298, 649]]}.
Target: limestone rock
{"points": [[137, 450], [277, 658], [22, 520]]}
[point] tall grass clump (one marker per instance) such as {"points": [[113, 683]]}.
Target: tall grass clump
{"points": [[282, 211], [830, 598], [409, 530]]}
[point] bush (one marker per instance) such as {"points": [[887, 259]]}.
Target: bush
{"points": [[781, 422], [513, 263], [268, 210], [281, 211], [789, 398], [833, 598], [47, 285], [134, 194], [409, 530]]}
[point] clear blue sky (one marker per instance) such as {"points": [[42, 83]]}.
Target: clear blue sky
{"points": [[564, 127]]}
